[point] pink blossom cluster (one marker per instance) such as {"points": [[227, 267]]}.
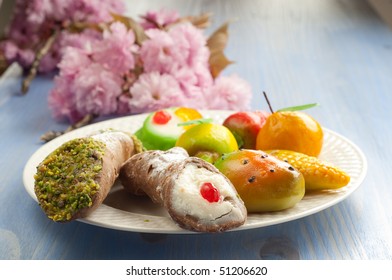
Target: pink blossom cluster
{"points": [[112, 73], [170, 68], [33, 22]]}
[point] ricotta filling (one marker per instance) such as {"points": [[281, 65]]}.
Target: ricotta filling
{"points": [[187, 199]]}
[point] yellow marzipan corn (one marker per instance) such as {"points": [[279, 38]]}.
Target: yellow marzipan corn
{"points": [[319, 175]]}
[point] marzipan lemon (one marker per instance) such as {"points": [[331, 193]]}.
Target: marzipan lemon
{"points": [[207, 137]]}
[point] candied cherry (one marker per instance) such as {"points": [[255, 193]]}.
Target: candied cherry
{"points": [[209, 192], [161, 117]]}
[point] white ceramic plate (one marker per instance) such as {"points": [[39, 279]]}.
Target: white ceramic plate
{"points": [[123, 212]]}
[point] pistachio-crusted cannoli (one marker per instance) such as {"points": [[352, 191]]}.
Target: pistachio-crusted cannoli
{"points": [[73, 180], [196, 195]]}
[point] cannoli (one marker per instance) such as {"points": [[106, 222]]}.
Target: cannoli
{"points": [[73, 180], [196, 195]]}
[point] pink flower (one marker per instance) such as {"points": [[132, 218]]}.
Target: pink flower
{"points": [[189, 79], [182, 53], [230, 93], [74, 60], [108, 73], [34, 20], [195, 97], [37, 11], [116, 50], [85, 10], [62, 101], [94, 10], [153, 91], [49, 62], [159, 19], [203, 76], [158, 53], [96, 90], [89, 89], [84, 40], [13, 53], [190, 45], [183, 46]]}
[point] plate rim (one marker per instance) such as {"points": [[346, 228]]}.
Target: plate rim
{"points": [[177, 230]]}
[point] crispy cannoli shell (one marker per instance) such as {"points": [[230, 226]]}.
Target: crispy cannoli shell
{"points": [[136, 171], [152, 173], [119, 148]]}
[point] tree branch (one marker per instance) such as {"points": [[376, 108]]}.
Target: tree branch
{"points": [[38, 57], [50, 135]]}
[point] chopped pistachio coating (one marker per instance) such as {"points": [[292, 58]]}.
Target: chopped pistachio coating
{"points": [[65, 181], [138, 145]]}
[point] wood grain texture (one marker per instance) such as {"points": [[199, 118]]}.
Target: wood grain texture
{"points": [[336, 53]]}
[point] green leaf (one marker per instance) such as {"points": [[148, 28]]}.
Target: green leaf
{"points": [[197, 121], [299, 108]]}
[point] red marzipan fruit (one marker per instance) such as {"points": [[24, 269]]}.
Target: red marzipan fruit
{"points": [[245, 126]]}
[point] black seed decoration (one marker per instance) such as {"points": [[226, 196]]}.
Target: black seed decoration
{"points": [[285, 160], [245, 161], [272, 170], [252, 179], [264, 156], [291, 168]]}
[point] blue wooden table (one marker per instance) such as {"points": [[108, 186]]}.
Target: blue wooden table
{"points": [[336, 53]]}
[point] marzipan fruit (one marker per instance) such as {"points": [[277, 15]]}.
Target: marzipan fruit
{"points": [[263, 182], [318, 174]]}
